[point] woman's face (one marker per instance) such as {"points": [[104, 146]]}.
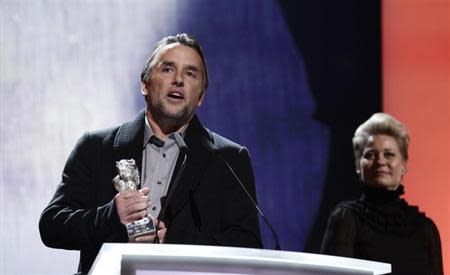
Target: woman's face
{"points": [[381, 164]]}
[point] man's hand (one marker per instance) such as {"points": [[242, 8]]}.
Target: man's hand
{"points": [[149, 238], [132, 205]]}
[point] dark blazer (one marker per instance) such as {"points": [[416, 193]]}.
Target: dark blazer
{"points": [[209, 206]]}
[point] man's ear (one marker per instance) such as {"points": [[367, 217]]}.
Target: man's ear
{"points": [[144, 90], [200, 100]]}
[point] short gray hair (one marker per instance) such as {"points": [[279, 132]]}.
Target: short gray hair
{"points": [[381, 124], [184, 39]]}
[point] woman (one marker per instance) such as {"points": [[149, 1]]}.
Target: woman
{"points": [[381, 226]]}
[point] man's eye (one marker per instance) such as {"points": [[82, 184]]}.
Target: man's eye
{"points": [[191, 74], [166, 69], [389, 154]]}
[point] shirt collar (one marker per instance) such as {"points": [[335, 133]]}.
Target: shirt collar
{"points": [[148, 131]]}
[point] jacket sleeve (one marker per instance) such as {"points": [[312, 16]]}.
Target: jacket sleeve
{"points": [[73, 219], [339, 237], [240, 218]]}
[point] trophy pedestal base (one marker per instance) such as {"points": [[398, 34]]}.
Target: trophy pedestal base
{"points": [[140, 227]]}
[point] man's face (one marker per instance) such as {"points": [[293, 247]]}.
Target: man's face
{"points": [[175, 87]]}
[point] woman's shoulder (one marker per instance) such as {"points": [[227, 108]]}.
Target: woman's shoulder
{"points": [[350, 207], [431, 229], [347, 210]]}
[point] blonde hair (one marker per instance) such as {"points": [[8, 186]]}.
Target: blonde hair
{"points": [[381, 124]]}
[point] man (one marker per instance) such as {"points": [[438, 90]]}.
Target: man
{"points": [[208, 206]]}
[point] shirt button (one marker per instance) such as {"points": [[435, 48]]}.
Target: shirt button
{"points": [[164, 155], [154, 208], [158, 182]]}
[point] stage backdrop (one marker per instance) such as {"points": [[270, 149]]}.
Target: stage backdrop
{"points": [[289, 80]]}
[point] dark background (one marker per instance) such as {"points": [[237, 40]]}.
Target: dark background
{"points": [[340, 42], [292, 80]]}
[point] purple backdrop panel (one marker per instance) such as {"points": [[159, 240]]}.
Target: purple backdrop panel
{"points": [[259, 96]]}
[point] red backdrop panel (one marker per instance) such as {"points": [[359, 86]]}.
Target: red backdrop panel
{"points": [[416, 61]]}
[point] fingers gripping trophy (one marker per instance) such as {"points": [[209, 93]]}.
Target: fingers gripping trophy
{"points": [[128, 180]]}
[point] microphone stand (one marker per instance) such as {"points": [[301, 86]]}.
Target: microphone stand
{"points": [[266, 221]]}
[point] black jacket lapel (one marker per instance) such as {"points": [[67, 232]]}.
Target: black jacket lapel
{"points": [[128, 143], [198, 158]]}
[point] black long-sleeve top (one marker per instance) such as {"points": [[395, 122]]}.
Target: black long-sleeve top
{"points": [[381, 226]]}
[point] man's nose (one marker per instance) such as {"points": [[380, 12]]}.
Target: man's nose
{"points": [[178, 80]]}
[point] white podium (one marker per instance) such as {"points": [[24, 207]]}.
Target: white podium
{"points": [[165, 259]]}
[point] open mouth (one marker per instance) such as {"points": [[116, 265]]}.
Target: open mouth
{"points": [[176, 95]]}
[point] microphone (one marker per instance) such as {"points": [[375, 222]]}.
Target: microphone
{"points": [[183, 149], [213, 149]]}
